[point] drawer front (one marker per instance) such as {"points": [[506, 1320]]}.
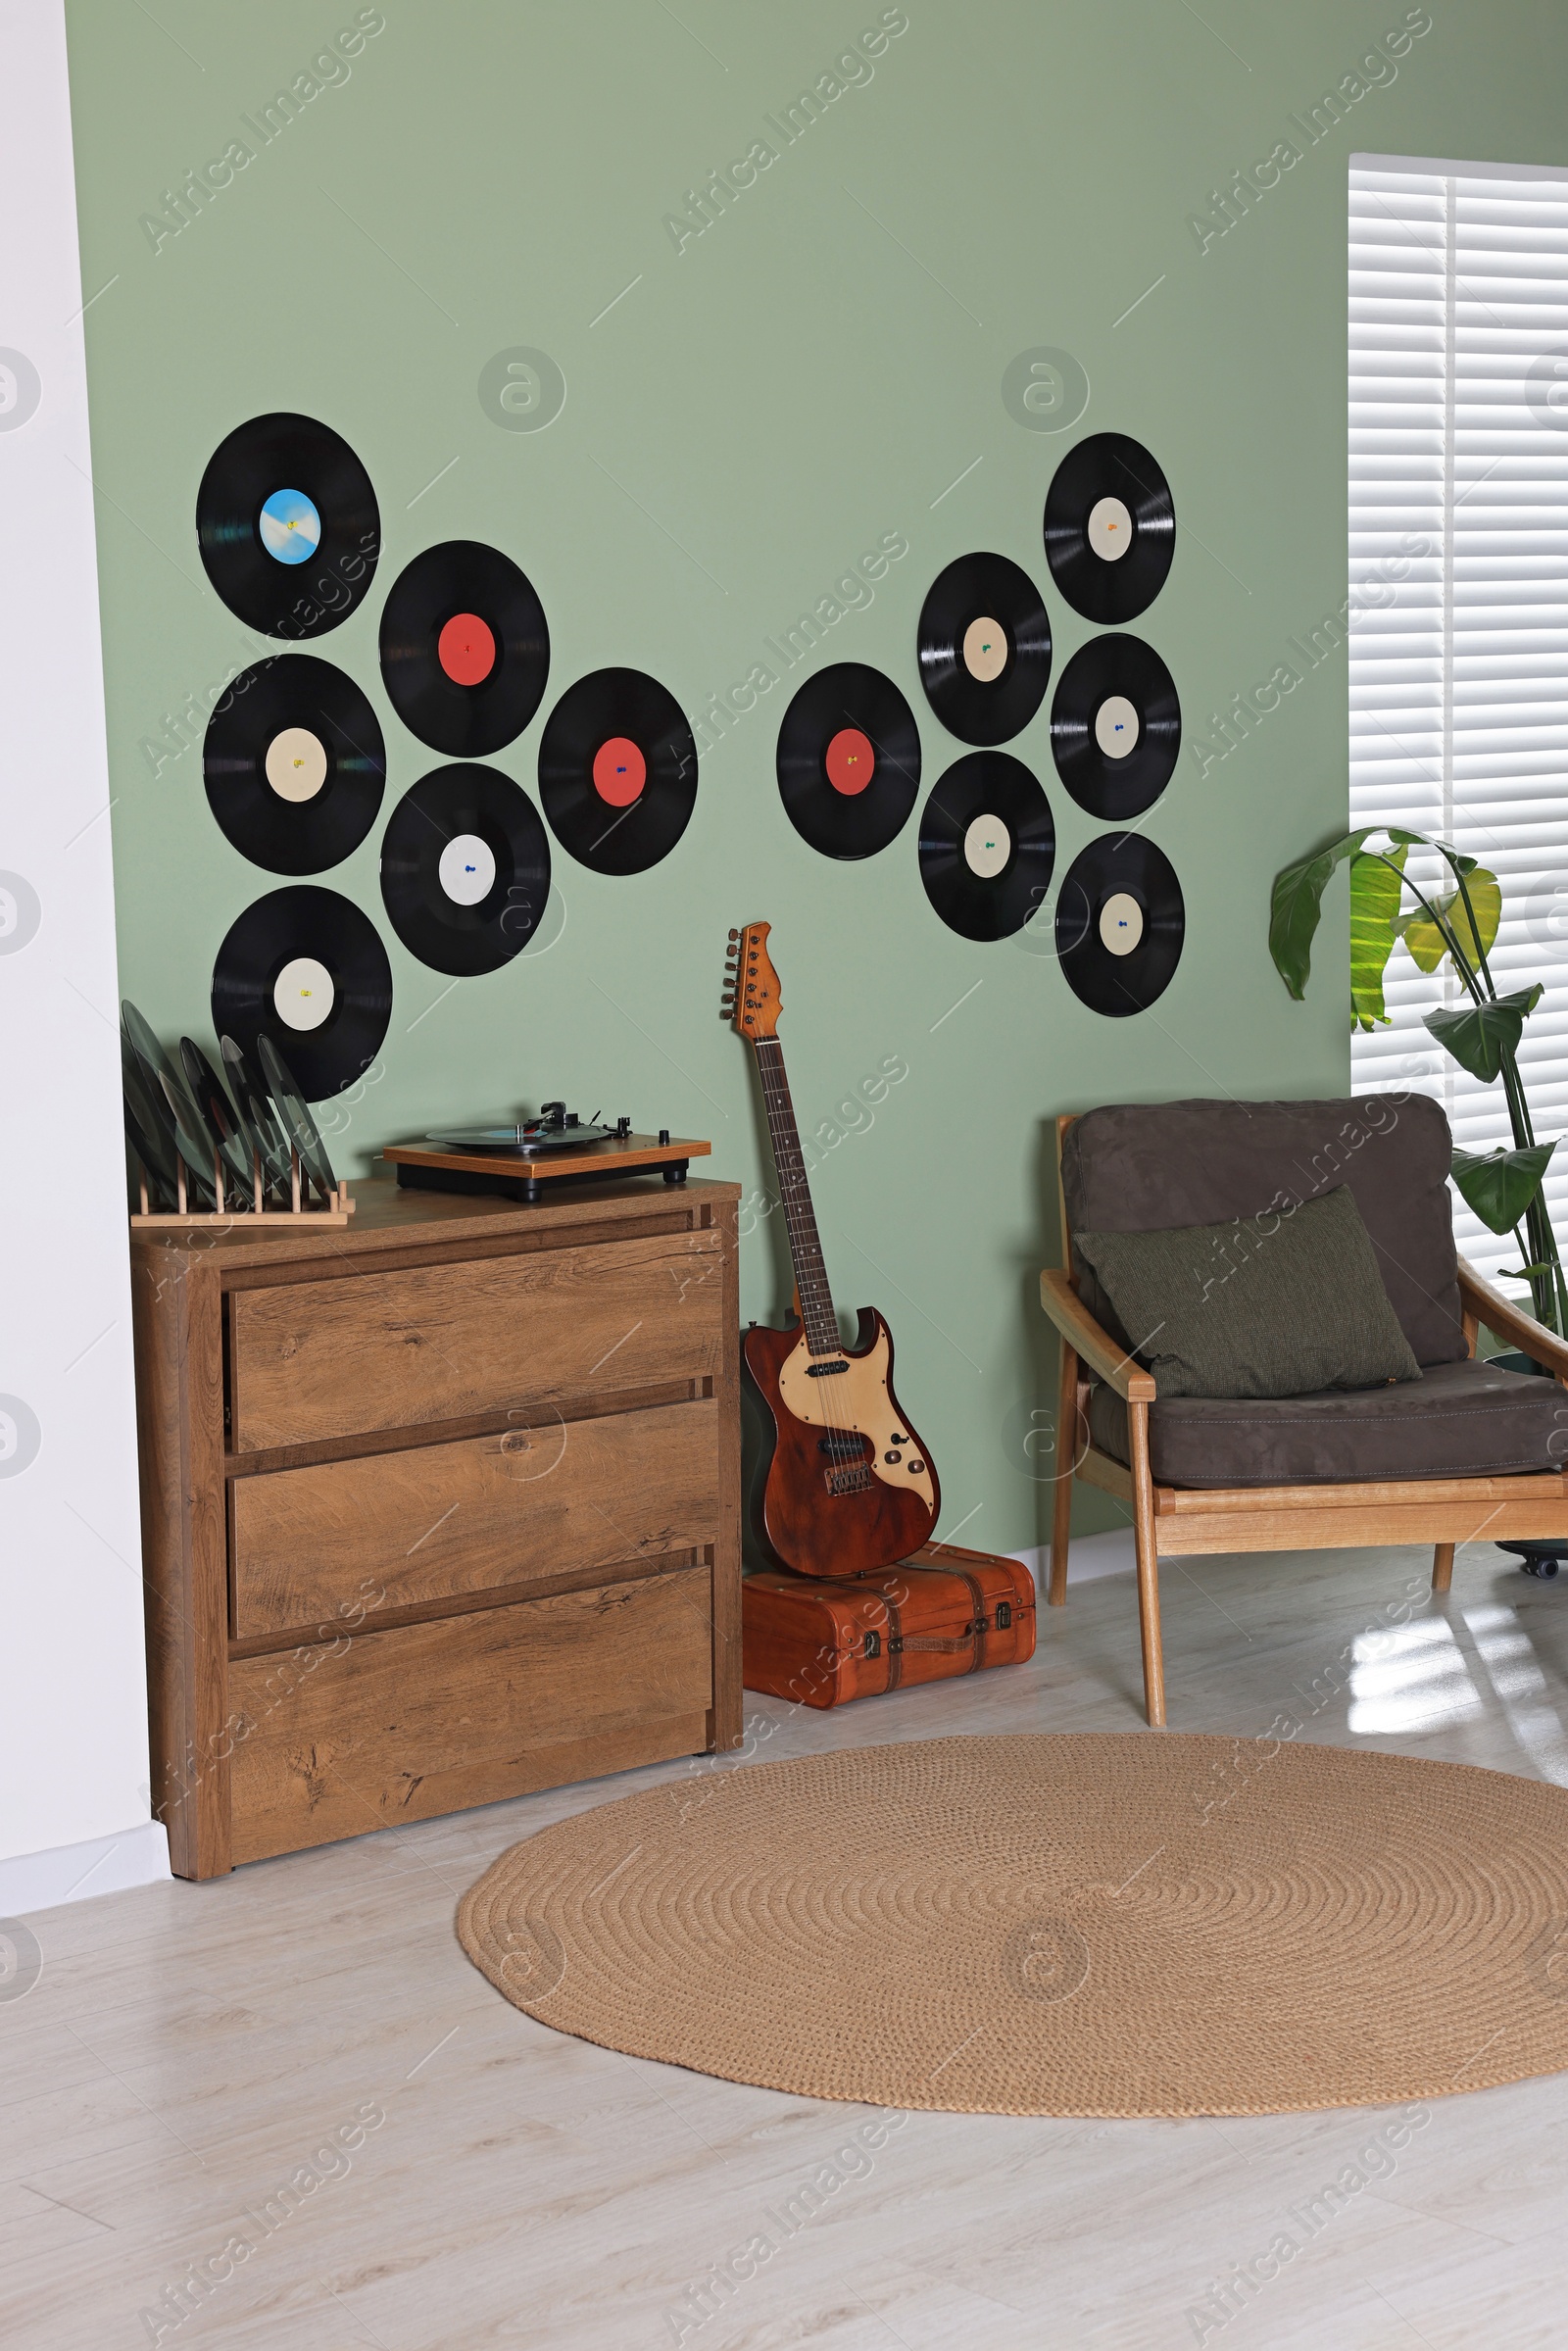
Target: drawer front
{"points": [[389, 1350], [328, 1542], [431, 1717]]}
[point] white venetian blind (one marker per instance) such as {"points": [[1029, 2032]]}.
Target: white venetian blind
{"points": [[1458, 646]]}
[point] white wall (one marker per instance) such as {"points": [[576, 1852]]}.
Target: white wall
{"points": [[72, 1686]]}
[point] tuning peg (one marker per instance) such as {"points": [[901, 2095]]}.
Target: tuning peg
{"points": [[734, 934]]}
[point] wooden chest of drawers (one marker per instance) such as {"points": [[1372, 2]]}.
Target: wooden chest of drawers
{"points": [[437, 1508]]}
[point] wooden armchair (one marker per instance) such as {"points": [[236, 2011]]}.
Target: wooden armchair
{"points": [[1467, 1452]]}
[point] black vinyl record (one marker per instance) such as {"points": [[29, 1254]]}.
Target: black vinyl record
{"points": [[1110, 527], [849, 761], [617, 771], [466, 869], [1115, 727], [465, 649], [987, 845], [985, 648], [294, 764], [1120, 922], [307, 968], [288, 525]]}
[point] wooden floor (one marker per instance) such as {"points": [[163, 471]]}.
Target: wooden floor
{"points": [[188, 2050]]}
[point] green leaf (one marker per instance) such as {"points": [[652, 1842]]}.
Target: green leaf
{"points": [[1500, 1186], [1297, 906], [1426, 942], [1376, 884], [1479, 1035]]}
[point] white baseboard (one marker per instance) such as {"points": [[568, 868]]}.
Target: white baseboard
{"points": [[104, 1865], [1090, 1556]]}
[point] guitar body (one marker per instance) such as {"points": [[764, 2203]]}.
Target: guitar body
{"points": [[845, 1484]]}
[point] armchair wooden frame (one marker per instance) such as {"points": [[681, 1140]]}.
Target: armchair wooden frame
{"points": [[1174, 1521]]}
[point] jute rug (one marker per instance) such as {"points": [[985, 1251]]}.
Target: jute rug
{"points": [[1073, 1925]]}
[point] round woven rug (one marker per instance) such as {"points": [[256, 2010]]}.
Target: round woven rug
{"points": [[1093, 1924]]}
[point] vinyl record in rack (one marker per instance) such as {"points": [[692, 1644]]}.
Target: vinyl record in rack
{"points": [[466, 869], [1115, 727], [1120, 922], [1110, 528], [849, 761], [987, 845], [288, 526], [984, 644], [304, 966], [294, 764], [617, 771], [465, 649]]}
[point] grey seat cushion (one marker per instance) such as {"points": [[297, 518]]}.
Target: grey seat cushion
{"points": [[1145, 1167], [1460, 1420]]}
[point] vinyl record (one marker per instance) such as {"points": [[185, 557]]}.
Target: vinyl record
{"points": [[1120, 923], [294, 764], [304, 966], [849, 761], [985, 648], [1115, 727], [1110, 527], [465, 869], [987, 845], [288, 526], [617, 771], [465, 649]]}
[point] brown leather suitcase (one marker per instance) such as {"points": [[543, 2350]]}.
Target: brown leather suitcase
{"points": [[943, 1612]]}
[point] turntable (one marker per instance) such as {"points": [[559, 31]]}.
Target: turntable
{"points": [[515, 1161]]}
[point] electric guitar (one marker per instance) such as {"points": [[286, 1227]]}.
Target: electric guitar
{"points": [[845, 1484]]}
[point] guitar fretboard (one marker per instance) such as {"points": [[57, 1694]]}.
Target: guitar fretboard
{"points": [[794, 1193]]}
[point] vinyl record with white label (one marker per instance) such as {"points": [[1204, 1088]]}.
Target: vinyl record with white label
{"points": [[1115, 727], [294, 763], [466, 869], [307, 968], [984, 645], [1120, 922], [987, 845], [287, 525], [848, 761], [1110, 528]]}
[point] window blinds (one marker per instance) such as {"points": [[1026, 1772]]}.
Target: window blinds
{"points": [[1458, 643]]}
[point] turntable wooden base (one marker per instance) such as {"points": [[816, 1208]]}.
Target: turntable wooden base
{"points": [[512, 1175]]}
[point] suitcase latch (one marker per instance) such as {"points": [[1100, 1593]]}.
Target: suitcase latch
{"points": [[1004, 1615], [873, 1645]]}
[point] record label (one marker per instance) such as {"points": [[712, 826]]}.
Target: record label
{"points": [[294, 763], [988, 845], [620, 771], [464, 648], [1115, 726], [848, 761], [1110, 527], [1121, 924], [984, 645], [287, 525], [465, 869], [467, 650], [306, 969], [290, 526], [303, 993], [617, 771]]}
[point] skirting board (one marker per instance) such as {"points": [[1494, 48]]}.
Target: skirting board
{"points": [[103, 1865], [1090, 1556]]}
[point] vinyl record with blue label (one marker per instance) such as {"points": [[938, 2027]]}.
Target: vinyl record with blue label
{"points": [[988, 844], [1115, 726], [287, 525], [1120, 923], [984, 644], [1110, 528], [464, 648], [466, 869], [307, 968], [848, 761], [294, 763]]}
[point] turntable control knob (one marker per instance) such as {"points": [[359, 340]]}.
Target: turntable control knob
{"points": [[572, 1119], [663, 1135]]}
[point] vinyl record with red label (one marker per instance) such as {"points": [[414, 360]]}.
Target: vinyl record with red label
{"points": [[294, 763], [466, 869], [984, 643], [988, 845], [1110, 527], [617, 771], [287, 525], [1120, 923], [1115, 726], [305, 967], [465, 649], [849, 761]]}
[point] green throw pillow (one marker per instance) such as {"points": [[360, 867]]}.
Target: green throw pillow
{"points": [[1277, 1305]]}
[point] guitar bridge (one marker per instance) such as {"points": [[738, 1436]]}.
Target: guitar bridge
{"points": [[849, 1480]]}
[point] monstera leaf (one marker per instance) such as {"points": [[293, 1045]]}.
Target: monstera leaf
{"points": [[1479, 1035], [1500, 1186], [1297, 906], [1426, 942], [1376, 884]]}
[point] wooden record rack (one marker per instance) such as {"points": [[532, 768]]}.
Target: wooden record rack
{"points": [[330, 1208], [524, 1176]]}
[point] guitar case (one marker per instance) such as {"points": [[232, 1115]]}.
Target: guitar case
{"points": [[941, 1613]]}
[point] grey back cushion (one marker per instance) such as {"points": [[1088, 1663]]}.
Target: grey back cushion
{"points": [[1145, 1167]]}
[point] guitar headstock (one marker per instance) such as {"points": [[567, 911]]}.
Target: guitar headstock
{"points": [[751, 984]]}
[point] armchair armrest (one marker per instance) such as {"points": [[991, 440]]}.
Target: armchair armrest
{"points": [[1500, 1314], [1096, 1347]]}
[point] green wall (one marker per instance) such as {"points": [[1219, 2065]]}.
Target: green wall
{"points": [[769, 401]]}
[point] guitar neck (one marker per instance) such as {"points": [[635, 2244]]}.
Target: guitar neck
{"points": [[795, 1193]]}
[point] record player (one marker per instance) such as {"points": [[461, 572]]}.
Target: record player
{"points": [[516, 1160]]}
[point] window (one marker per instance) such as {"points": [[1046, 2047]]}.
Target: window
{"points": [[1458, 645]]}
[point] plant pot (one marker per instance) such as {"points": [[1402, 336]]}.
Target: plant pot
{"points": [[1538, 1558]]}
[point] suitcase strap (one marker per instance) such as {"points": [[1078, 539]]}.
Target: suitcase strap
{"points": [[932, 1644]]}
